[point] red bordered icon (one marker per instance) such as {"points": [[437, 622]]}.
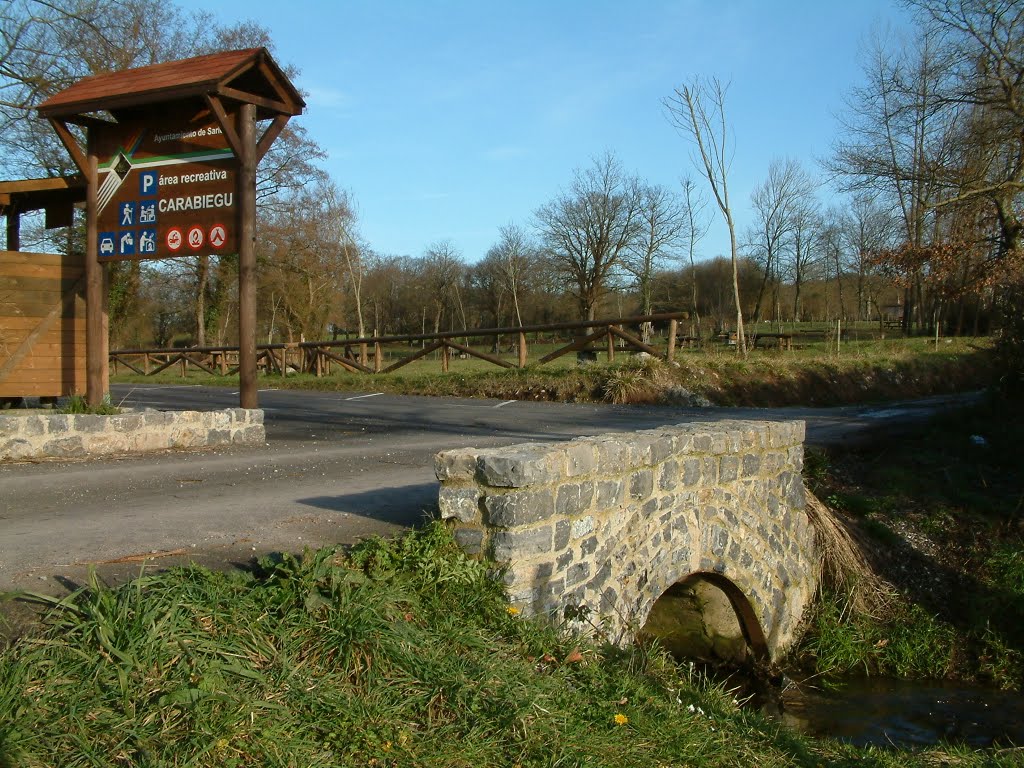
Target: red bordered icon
{"points": [[218, 235], [196, 236], [174, 238]]}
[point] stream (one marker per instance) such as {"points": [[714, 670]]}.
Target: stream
{"points": [[907, 713]]}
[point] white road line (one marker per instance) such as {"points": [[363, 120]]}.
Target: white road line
{"points": [[507, 402], [363, 397], [169, 386]]}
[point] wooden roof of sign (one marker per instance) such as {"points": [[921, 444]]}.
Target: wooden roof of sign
{"points": [[249, 76], [56, 195]]}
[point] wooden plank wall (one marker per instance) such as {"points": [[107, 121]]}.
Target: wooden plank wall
{"points": [[42, 325]]}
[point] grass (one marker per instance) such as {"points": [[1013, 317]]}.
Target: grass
{"points": [[865, 371], [76, 404], [941, 513], [399, 653]]}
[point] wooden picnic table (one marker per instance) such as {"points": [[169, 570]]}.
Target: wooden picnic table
{"points": [[781, 340]]}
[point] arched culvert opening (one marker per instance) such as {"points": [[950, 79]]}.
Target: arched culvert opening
{"points": [[705, 616]]}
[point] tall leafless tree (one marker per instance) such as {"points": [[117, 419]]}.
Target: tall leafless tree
{"points": [[697, 110]]}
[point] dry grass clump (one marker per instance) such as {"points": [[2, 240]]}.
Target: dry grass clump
{"points": [[638, 379], [844, 568]]}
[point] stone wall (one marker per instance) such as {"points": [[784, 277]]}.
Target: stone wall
{"points": [[611, 522], [37, 436]]}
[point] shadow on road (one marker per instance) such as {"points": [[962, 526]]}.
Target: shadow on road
{"points": [[402, 505]]}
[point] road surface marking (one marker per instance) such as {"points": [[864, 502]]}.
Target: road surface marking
{"points": [[363, 397], [507, 402]]}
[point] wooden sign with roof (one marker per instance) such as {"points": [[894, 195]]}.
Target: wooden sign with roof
{"points": [[170, 163]]}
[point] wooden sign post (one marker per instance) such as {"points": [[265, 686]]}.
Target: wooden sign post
{"points": [[173, 173]]}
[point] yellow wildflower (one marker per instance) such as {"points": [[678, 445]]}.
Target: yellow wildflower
{"points": [[512, 610], [620, 719]]}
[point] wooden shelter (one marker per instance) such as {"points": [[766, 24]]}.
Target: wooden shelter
{"points": [[42, 296], [232, 90]]}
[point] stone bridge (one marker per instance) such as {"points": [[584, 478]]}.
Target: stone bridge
{"points": [[617, 524]]}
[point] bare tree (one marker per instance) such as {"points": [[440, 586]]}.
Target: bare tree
{"points": [[896, 137], [866, 228], [589, 229], [514, 256], [302, 255], [776, 203], [697, 110], [697, 225], [443, 270], [661, 229], [803, 252], [983, 53]]}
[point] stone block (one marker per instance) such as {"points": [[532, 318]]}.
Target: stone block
{"points": [[609, 494], [523, 544], [580, 458], [470, 540], [641, 484], [27, 426], [564, 560], [691, 471], [662, 447], [563, 528], [518, 508], [583, 527], [16, 448], [668, 475], [577, 573], [703, 443], [460, 503], [728, 469], [574, 498], [254, 434], [751, 464], [612, 454], [162, 419], [70, 447], [219, 437], [455, 465], [517, 466]]}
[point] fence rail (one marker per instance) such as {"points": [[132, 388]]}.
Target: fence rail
{"points": [[366, 354]]}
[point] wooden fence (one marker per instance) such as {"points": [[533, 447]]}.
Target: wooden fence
{"points": [[366, 355]]}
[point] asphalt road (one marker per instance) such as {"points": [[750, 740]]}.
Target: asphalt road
{"points": [[336, 467]]}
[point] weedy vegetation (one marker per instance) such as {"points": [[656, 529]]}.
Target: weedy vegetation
{"points": [[939, 518], [396, 653]]}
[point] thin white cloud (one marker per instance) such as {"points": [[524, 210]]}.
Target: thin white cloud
{"points": [[325, 96]]}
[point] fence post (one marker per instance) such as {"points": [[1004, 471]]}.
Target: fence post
{"points": [[145, 363], [444, 358], [376, 357], [673, 326], [611, 345], [522, 349]]}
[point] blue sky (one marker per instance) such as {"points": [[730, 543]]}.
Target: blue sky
{"points": [[447, 120]]}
